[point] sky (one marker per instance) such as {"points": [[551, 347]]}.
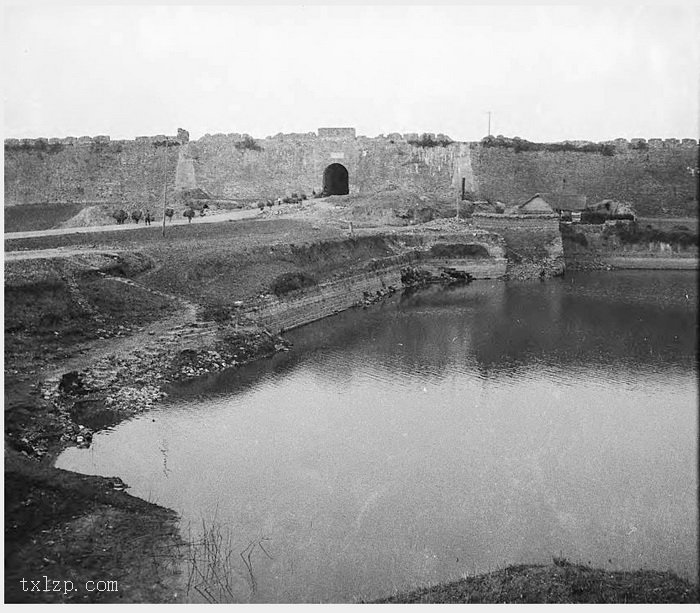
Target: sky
{"points": [[545, 73]]}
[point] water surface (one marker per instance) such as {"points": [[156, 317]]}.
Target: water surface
{"points": [[444, 432]]}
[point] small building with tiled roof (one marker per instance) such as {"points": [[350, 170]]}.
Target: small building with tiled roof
{"points": [[536, 205]]}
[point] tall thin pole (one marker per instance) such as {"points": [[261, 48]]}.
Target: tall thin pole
{"points": [[489, 123], [165, 182]]}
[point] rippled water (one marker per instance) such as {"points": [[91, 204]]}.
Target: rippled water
{"points": [[444, 432]]}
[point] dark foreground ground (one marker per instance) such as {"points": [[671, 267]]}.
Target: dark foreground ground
{"points": [[157, 311]]}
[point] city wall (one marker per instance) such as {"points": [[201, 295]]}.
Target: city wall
{"points": [[658, 177], [91, 170], [659, 180]]}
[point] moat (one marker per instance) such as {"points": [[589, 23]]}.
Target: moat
{"points": [[444, 432]]}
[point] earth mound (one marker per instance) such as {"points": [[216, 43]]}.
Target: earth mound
{"points": [[89, 216]]}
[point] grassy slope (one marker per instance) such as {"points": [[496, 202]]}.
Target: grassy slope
{"points": [[560, 582], [25, 217]]}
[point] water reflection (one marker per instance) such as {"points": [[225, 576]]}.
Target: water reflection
{"points": [[620, 325], [442, 432]]}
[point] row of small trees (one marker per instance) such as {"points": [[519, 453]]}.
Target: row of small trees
{"points": [[137, 215], [295, 198]]}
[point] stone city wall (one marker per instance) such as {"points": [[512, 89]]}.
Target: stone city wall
{"points": [[90, 170], [659, 181], [285, 164], [658, 177]]}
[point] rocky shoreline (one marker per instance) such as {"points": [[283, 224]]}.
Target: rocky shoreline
{"points": [[116, 387]]}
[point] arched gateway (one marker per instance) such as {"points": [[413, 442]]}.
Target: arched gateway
{"points": [[335, 180]]}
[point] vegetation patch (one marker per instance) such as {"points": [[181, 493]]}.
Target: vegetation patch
{"points": [[428, 140], [248, 143], [634, 234], [600, 217], [560, 582], [291, 281], [44, 216], [520, 144], [459, 250], [569, 233]]}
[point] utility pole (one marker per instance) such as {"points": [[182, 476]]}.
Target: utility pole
{"points": [[489, 112], [165, 181]]}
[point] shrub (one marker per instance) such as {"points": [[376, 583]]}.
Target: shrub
{"points": [[570, 234], [633, 234], [290, 281], [593, 217], [248, 143], [426, 140]]}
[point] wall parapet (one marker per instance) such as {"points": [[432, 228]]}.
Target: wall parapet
{"points": [[102, 139], [348, 133], [619, 144]]}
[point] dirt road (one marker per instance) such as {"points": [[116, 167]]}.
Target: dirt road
{"points": [[156, 227]]}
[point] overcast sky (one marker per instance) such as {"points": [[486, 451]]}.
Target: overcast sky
{"points": [[546, 73]]}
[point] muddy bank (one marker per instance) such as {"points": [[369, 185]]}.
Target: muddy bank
{"points": [[69, 526], [84, 530]]}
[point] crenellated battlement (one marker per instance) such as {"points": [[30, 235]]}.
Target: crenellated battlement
{"points": [[620, 144], [43, 143], [608, 147]]}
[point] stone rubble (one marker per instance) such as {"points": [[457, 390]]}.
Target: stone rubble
{"points": [[124, 385]]}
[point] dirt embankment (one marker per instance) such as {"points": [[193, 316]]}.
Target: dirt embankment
{"points": [[86, 346]]}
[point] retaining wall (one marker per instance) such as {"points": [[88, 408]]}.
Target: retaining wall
{"points": [[304, 306], [534, 243], [592, 246]]}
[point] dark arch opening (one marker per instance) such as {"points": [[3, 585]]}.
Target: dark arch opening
{"points": [[336, 181]]}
